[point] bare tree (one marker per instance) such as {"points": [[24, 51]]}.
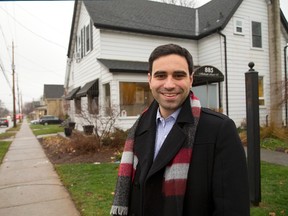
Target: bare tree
{"points": [[103, 125]]}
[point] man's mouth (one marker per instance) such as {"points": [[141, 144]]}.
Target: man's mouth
{"points": [[170, 94]]}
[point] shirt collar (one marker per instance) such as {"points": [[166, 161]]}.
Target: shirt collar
{"points": [[174, 115]]}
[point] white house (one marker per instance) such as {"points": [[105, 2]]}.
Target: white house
{"points": [[111, 41]]}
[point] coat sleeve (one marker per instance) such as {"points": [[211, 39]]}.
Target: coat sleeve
{"points": [[230, 178]]}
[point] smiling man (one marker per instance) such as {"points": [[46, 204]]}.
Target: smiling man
{"points": [[180, 159]]}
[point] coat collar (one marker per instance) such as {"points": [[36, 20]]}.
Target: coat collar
{"points": [[145, 138]]}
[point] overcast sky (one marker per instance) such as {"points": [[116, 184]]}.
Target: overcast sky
{"points": [[40, 31]]}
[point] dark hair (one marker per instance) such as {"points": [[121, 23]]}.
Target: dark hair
{"points": [[169, 49]]}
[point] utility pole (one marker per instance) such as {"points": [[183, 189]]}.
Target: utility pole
{"points": [[13, 88]]}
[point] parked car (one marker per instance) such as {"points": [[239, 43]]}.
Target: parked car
{"points": [[4, 122], [35, 121], [49, 119]]}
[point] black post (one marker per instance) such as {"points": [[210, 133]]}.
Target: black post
{"points": [[253, 134]]}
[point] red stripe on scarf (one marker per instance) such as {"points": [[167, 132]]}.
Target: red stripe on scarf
{"points": [[128, 146], [183, 156], [175, 187], [125, 170], [196, 111]]}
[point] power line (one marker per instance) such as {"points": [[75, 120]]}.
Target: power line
{"points": [[43, 38], [4, 73]]}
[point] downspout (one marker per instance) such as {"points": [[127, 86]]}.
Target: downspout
{"points": [[226, 75], [285, 71]]}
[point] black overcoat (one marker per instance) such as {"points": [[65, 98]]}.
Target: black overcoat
{"points": [[217, 180]]}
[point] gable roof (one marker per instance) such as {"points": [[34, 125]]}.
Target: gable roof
{"points": [[53, 91], [156, 18]]}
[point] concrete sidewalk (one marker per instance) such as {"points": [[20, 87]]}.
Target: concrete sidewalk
{"points": [[274, 157], [29, 185]]}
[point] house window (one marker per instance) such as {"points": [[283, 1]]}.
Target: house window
{"points": [[238, 26], [134, 98], [84, 41], [77, 104], [88, 38], [256, 35], [107, 99], [82, 45], [93, 104], [261, 90]]}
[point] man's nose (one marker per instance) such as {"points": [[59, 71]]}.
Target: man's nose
{"points": [[169, 82]]}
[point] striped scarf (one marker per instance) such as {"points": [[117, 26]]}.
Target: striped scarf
{"points": [[176, 172]]}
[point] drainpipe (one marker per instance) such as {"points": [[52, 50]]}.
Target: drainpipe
{"points": [[226, 75], [285, 71]]}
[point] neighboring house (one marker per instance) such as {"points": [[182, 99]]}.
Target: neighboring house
{"points": [[53, 100], [38, 110], [111, 41]]}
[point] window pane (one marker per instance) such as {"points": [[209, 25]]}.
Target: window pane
{"points": [[256, 35], [134, 98], [107, 98], [93, 104], [77, 102], [261, 90], [87, 38]]}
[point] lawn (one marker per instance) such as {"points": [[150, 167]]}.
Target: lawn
{"points": [[91, 187], [4, 146], [38, 129], [274, 189]]}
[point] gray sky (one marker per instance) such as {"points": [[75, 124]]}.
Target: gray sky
{"points": [[40, 31]]}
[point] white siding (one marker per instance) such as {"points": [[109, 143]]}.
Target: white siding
{"points": [[108, 44], [239, 54], [137, 47]]}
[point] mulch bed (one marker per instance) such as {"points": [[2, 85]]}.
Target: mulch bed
{"points": [[61, 150]]}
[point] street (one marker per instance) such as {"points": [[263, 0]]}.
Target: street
{"points": [[4, 128]]}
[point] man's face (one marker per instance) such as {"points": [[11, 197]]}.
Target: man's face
{"points": [[170, 82]]}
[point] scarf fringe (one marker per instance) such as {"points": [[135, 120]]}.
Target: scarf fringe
{"points": [[119, 210]]}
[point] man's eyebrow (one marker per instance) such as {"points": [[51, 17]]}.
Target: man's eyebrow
{"points": [[180, 71], [159, 72]]}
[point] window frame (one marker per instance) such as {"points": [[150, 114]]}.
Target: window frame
{"points": [[261, 90], [236, 20], [91, 108], [107, 98], [77, 105], [84, 41], [140, 99], [255, 34]]}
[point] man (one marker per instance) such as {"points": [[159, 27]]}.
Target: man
{"points": [[180, 159]]}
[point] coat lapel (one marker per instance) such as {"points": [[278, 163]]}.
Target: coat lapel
{"points": [[173, 143], [145, 140], [175, 139]]}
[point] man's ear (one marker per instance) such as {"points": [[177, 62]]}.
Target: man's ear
{"points": [[192, 78], [149, 77]]}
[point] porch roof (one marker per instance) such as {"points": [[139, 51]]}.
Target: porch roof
{"points": [[72, 93], [90, 87], [125, 66]]}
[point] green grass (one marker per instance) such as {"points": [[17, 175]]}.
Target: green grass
{"points": [[46, 129], [91, 186], [274, 191], [4, 146], [273, 144], [7, 135]]}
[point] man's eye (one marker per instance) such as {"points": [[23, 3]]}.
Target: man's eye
{"points": [[160, 76], [179, 76]]}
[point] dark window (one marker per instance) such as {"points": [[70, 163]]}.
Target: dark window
{"points": [[256, 35]]}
